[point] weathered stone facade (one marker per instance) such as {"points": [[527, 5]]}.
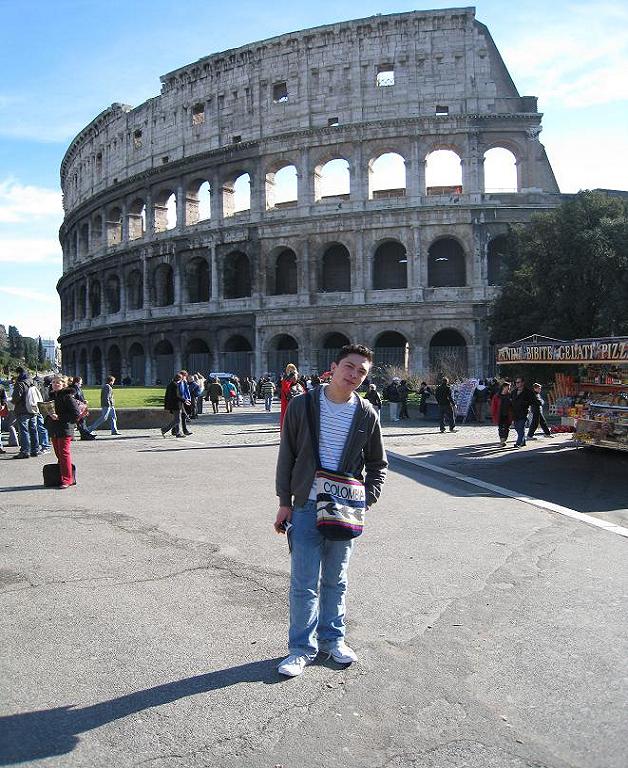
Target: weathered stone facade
{"points": [[409, 271]]}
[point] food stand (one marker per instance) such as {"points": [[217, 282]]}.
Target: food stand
{"points": [[594, 402]]}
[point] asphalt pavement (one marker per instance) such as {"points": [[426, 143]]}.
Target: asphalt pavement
{"points": [[145, 610]]}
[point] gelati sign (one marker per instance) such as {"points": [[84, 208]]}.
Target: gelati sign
{"points": [[611, 350]]}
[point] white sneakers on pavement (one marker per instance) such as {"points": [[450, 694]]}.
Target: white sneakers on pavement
{"points": [[343, 654], [293, 665]]}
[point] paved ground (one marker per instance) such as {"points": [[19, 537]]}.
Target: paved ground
{"points": [[144, 612]]}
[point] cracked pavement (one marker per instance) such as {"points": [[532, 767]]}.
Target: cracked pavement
{"points": [[145, 610]]}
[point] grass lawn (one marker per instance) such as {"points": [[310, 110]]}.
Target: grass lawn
{"points": [[128, 397]]}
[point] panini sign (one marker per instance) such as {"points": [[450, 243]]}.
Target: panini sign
{"points": [[612, 350]]}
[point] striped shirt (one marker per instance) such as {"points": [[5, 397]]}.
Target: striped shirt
{"points": [[336, 419]]}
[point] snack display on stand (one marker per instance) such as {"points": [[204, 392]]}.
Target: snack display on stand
{"points": [[606, 422]]}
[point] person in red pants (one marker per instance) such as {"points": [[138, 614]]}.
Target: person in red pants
{"points": [[61, 424]]}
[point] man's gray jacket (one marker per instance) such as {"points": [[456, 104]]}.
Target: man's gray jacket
{"points": [[363, 457]]}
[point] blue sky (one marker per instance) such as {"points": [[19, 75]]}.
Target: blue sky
{"points": [[64, 61]]}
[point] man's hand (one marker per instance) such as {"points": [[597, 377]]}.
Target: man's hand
{"points": [[283, 515]]}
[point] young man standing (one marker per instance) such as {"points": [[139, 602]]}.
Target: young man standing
{"points": [[350, 441], [522, 398]]}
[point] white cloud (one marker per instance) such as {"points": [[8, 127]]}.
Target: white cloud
{"points": [[578, 166], [23, 202], [30, 251], [579, 60], [24, 293]]}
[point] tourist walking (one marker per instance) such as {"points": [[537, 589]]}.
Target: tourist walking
{"points": [[61, 424], [404, 392], [77, 383], [424, 393], [391, 393], [229, 392], [174, 403], [372, 395], [537, 414], [267, 391], [186, 397], [107, 406], [290, 387], [480, 398], [349, 441], [501, 412], [522, 398], [446, 405], [4, 412], [25, 415], [214, 393]]}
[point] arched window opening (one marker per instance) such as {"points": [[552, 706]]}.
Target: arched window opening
{"points": [[165, 211], [197, 202], [236, 195], [332, 180], [237, 275], [281, 188], [137, 364], [95, 299], [500, 170], [448, 355], [238, 356], [495, 258], [83, 240], [332, 344], [114, 226], [97, 231], [286, 273], [136, 219], [114, 362], [164, 285], [446, 264], [164, 362], [283, 349], [443, 173], [135, 288], [70, 309], [197, 357], [197, 280], [390, 266], [82, 371], [113, 294], [387, 176], [81, 305], [391, 350], [97, 365], [336, 269]]}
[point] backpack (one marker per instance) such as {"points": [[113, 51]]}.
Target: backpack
{"points": [[32, 399]]}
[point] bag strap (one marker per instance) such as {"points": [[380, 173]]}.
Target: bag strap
{"points": [[312, 430]]}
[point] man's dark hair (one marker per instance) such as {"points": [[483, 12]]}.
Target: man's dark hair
{"points": [[354, 349], [19, 370], [110, 379]]}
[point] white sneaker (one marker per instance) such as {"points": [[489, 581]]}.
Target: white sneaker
{"points": [[343, 654], [293, 665]]}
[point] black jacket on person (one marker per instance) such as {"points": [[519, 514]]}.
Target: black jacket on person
{"points": [[373, 397], [172, 398], [444, 396], [521, 401], [67, 409]]}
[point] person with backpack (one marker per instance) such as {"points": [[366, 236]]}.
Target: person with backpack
{"points": [[26, 414], [446, 405], [60, 425]]}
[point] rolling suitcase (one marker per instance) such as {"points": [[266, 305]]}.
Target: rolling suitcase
{"points": [[52, 476]]}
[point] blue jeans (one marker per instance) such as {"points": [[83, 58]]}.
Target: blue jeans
{"points": [[42, 432], [27, 428], [109, 412], [268, 402], [520, 429], [318, 585]]}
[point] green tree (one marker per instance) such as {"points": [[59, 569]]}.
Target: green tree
{"points": [[566, 273], [41, 354], [16, 344], [30, 351]]}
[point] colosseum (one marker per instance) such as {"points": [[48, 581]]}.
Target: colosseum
{"points": [[278, 200]]}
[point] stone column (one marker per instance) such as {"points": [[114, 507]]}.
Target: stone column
{"points": [[145, 284], [472, 166], [261, 366], [359, 176], [125, 222], [303, 282], [123, 296], [305, 182], [213, 269], [176, 271], [148, 365], [357, 274], [150, 214], [215, 201], [414, 183], [258, 192], [180, 193]]}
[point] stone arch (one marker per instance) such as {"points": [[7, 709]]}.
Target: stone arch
{"points": [[237, 275], [163, 282], [135, 289], [237, 356], [114, 362], [164, 361], [331, 344], [282, 349], [495, 254], [83, 239], [448, 354], [165, 210], [96, 233], [137, 364], [83, 368], [236, 194], [198, 201], [96, 360], [446, 264], [112, 292], [282, 187], [332, 180], [390, 266], [443, 171], [391, 348], [136, 219], [69, 310], [335, 268], [197, 280], [284, 277], [197, 356], [95, 298], [500, 170], [113, 226], [387, 176], [81, 303]]}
